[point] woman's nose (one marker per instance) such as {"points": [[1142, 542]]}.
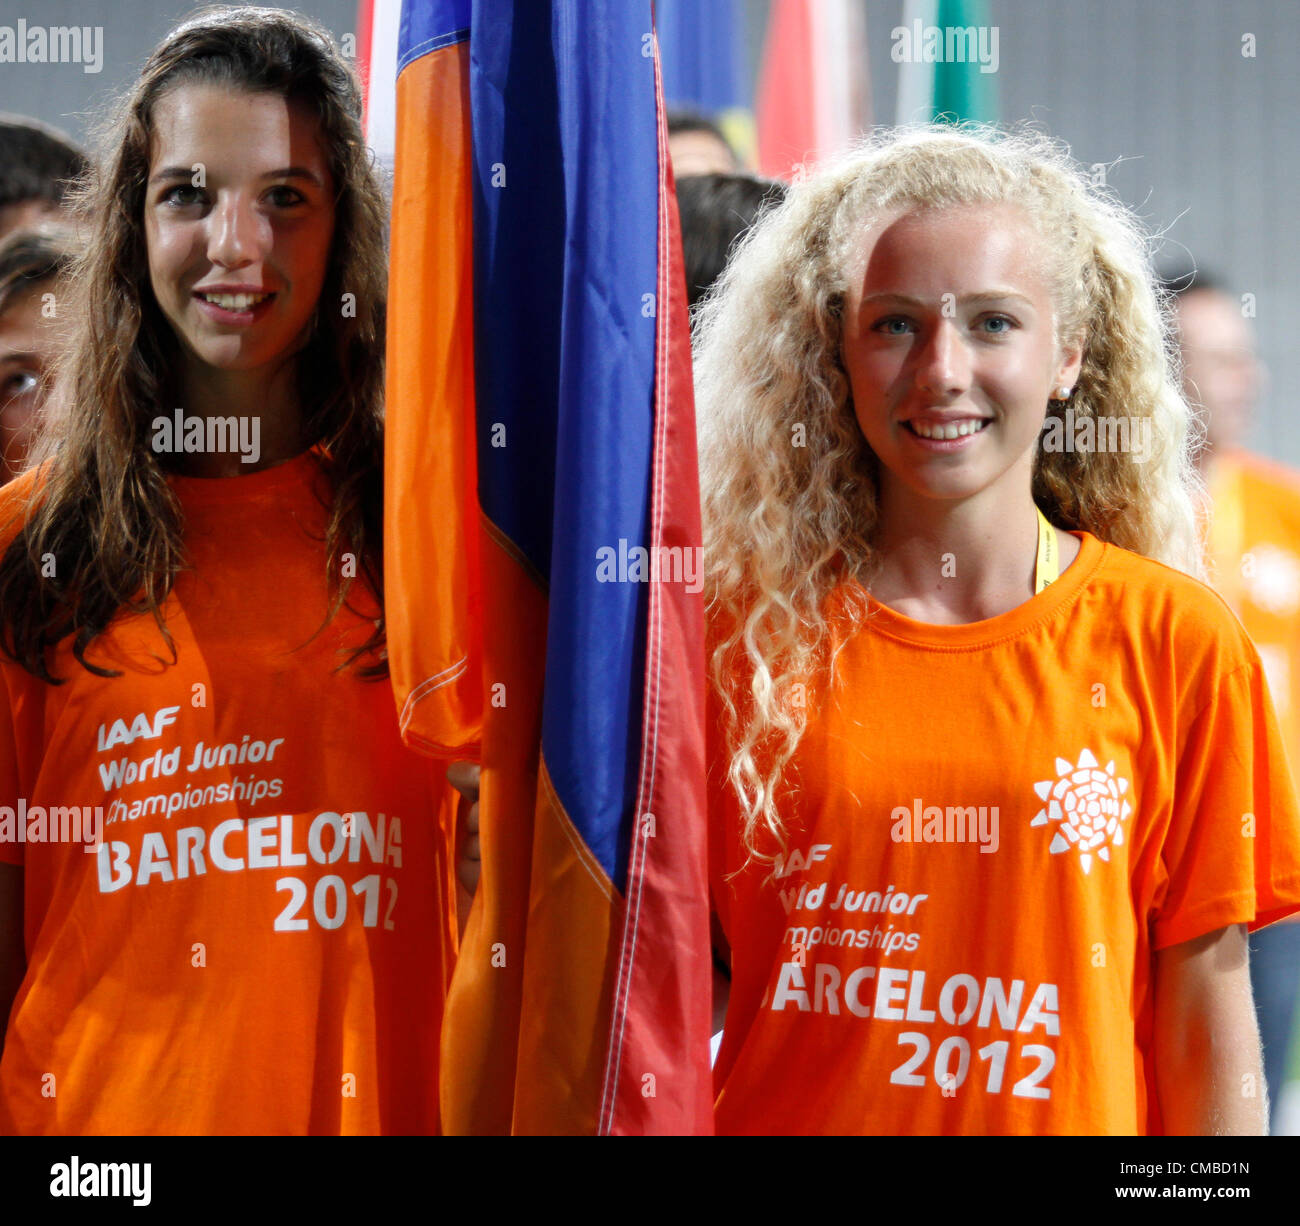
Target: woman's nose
{"points": [[943, 366], [236, 235]]}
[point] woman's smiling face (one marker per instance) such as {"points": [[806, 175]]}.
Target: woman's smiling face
{"points": [[949, 345], [239, 217]]}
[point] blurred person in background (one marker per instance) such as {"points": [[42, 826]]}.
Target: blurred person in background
{"points": [[1253, 548], [37, 165], [716, 210], [32, 332], [697, 146]]}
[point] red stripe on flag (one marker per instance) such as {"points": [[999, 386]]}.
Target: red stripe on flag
{"points": [[365, 40], [659, 1024]]}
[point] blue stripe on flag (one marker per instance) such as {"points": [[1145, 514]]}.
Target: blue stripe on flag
{"points": [[566, 233]]}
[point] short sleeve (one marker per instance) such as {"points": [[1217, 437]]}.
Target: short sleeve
{"points": [[1231, 853]]}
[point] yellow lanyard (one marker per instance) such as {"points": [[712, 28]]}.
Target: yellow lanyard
{"points": [[1048, 566]]}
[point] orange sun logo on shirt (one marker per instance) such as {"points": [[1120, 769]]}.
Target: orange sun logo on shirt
{"points": [[1089, 806]]}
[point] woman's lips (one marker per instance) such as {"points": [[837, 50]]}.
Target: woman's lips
{"points": [[233, 308]]}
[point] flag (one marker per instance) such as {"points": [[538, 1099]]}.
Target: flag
{"points": [[701, 47], [948, 54], [541, 557], [814, 98]]}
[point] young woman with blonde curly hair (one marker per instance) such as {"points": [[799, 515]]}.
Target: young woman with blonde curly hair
{"points": [[997, 786]]}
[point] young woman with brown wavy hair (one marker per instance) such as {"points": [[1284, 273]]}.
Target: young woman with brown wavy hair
{"points": [[251, 934], [997, 788]]}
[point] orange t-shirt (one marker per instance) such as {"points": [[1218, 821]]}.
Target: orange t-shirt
{"points": [[993, 827], [261, 941]]}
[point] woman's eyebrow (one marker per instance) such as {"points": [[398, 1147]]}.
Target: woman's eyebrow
{"points": [[172, 172], [287, 172], [295, 172], [994, 295]]}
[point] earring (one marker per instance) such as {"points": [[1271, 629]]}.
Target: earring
{"points": [[1063, 393]]}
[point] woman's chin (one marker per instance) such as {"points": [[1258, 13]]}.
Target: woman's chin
{"points": [[239, 360]]}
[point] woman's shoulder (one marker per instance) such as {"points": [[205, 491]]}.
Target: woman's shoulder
{"points": [[1151, 577], [1161, 602]]}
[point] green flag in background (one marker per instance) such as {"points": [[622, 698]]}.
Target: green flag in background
{"points": [[949, 55]]}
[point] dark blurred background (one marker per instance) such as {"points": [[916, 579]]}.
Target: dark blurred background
{"points": [[1197, 132]]}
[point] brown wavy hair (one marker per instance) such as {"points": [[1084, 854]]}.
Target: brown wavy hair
{"points": [[104, 509]]}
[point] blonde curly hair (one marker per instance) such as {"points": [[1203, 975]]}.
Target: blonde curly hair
{"points": [[784, 524]]}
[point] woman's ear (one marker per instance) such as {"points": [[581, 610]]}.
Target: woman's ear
{"points": [[1071, 362]]}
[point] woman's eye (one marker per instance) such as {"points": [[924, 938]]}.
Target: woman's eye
{"points": [[998, 323], [285, 197], [18, 384], [182, 196], [894, 326]]}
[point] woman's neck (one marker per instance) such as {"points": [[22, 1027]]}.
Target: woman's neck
{"points": [[261, 421], [950, 563]]}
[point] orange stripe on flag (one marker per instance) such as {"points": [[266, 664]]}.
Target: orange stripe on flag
{"points": [[429, 465]]}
